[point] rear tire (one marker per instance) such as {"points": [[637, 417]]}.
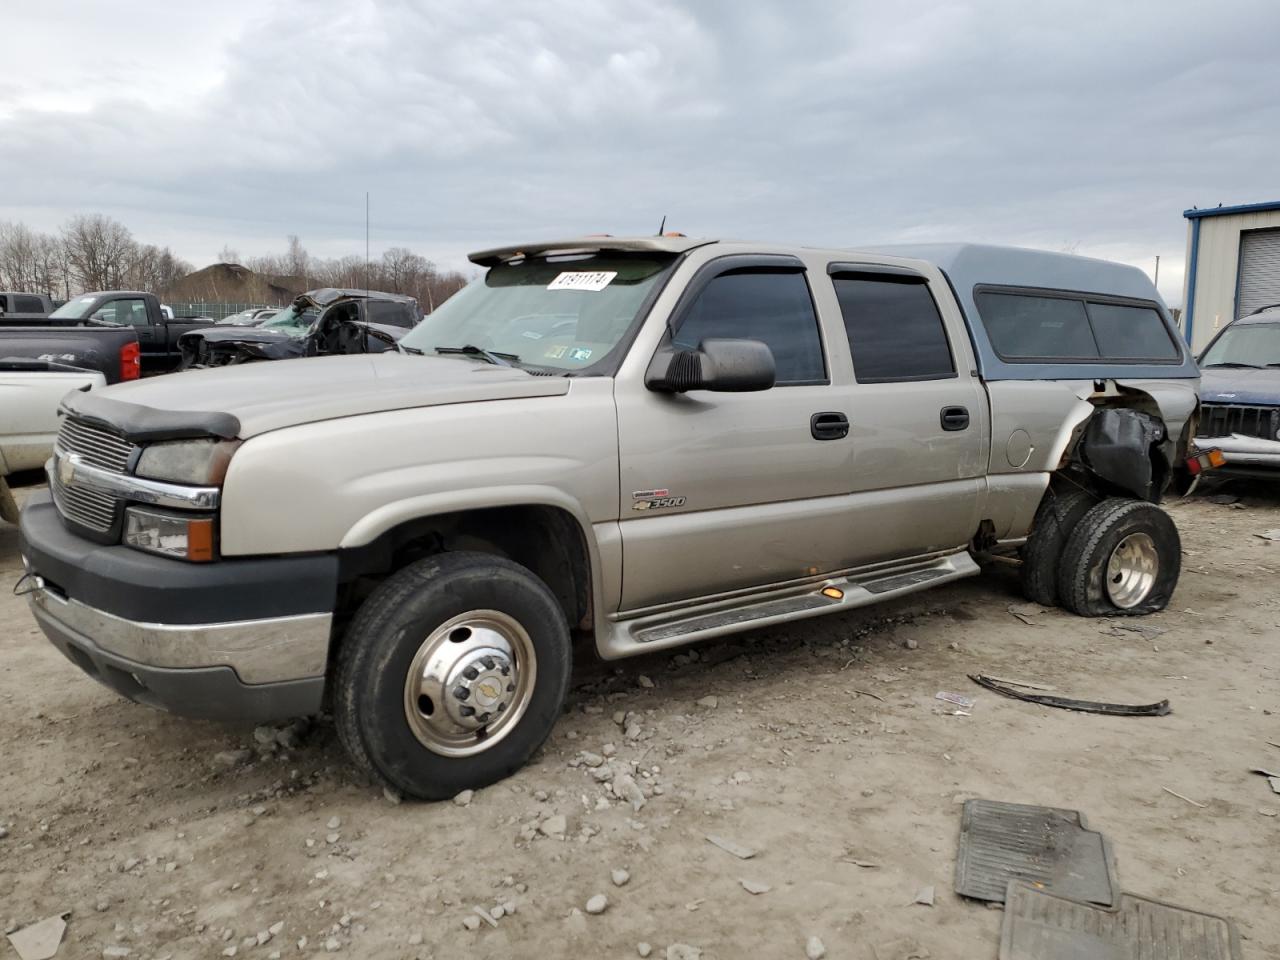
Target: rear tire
{"points": [[452, 673], [1058, 515], [1122, 559]]}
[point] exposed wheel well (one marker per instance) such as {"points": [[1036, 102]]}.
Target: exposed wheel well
{"points": [[547, 540]]}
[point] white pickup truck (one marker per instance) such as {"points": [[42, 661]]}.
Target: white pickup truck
{"points": [[29, 418], [38, 367]]}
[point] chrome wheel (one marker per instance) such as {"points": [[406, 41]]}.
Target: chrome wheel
{"points": [[469, 683], [1131, 570]]}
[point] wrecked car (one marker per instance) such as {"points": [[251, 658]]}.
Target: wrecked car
{"points": [[1240, 390], [318, 323], [634, 444]]}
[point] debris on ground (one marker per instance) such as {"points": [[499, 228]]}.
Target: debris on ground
{"points": [[754, 887], [959, 699], [1195, 803], [1027, 612], [643, 949], [728, 846], [924, 897], [1147, 630], [1223, 499], [597, 904], [903, 949], [815, 949], [1000, 842], [40, 941], [1135, 926], [1159, 709], [682, 951], [1270, 534], [464, 798], [1272, 778], [1008, 681]]}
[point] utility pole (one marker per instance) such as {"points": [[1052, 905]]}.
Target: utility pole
{"points": [[1157, 279]]}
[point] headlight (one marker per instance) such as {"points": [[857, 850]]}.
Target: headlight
{"points": [[182, 536], [202, 462]]}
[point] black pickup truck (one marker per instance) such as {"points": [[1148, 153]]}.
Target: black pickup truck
{"points": [[111, 351], [157, 335]]}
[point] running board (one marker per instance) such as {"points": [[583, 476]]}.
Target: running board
{"points": [[813, 599]]}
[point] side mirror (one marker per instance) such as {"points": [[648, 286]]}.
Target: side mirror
{"points": [[721, 364]]}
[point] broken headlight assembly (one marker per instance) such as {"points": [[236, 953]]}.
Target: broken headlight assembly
{"points": [[181, 536], [199, 462]]}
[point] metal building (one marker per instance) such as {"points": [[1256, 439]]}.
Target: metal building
{"points": [[1233, 266]]}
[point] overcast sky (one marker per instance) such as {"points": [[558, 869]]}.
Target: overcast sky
{"points": [[1085, 126]]}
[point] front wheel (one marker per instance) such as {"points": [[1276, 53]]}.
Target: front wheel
{"points": [[1122, 559], [452, 674]]}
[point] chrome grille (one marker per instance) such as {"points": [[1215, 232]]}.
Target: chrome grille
{"points": [[89, 508], [1224, 419], [97, 447]]}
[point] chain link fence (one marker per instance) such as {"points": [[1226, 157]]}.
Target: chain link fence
{"points": [[214, 311]]}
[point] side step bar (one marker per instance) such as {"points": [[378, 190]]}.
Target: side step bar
{"points": [[828, 596]]}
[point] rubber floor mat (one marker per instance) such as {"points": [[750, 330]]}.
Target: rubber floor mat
{"points": [[1047, 847], [1044, 926]]}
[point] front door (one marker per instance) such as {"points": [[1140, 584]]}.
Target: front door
{"points": [[726, 491]]}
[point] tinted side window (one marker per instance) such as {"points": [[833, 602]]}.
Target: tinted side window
{"points": [[1131, 333], [894, 328], [773, 307], [1023, 326], [27, 305], [390, 313]]}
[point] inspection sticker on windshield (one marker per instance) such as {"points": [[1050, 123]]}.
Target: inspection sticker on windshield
{"points": [[583, 280]]}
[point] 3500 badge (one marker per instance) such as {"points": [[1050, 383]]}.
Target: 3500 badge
{"points": [[646, 500]]}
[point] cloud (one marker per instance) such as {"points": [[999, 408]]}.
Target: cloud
{"points": [[1091, 126]]}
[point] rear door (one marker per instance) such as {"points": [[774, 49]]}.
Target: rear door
{"points": [[919, 421]]}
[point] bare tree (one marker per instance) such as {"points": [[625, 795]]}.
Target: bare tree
{"points": [[228, 254], [296, 259], [99, 251]]}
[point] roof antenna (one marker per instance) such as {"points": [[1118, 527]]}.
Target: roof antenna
{"points": [[663, 225]]}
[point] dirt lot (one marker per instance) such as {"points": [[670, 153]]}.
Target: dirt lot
{"points": [[825, 744]]}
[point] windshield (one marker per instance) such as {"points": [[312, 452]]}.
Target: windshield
{"points": [[564, 312], [76, 309], [1250, 345], [292, 321]]}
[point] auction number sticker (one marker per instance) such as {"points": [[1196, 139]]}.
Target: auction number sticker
{"points": [[583, 280]]}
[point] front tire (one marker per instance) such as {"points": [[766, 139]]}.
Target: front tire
{"points": [[1122, 559], [452, 673]]}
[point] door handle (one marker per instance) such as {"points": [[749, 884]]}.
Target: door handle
{"points": [[829, 425], [954, 418]]}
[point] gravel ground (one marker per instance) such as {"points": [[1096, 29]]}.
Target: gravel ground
{"points": [[821, 746]]}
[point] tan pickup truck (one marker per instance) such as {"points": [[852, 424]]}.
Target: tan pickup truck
{"points": [[639, 443]]}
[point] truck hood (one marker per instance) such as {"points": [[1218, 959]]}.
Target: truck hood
{"points": [[249, 399], [1244, 386]]}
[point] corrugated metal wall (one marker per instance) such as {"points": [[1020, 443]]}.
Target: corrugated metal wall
{"points": [[1217, 275]]}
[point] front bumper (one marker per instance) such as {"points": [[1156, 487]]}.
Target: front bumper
{"points": [[237, 639], [1246, 455]]}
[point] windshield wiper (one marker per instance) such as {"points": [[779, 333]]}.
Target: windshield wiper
{"points": [[489, 356], [1238, 366], [403, 349]]}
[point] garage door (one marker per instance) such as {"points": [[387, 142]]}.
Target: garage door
{"points": [[1259, 271]]}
